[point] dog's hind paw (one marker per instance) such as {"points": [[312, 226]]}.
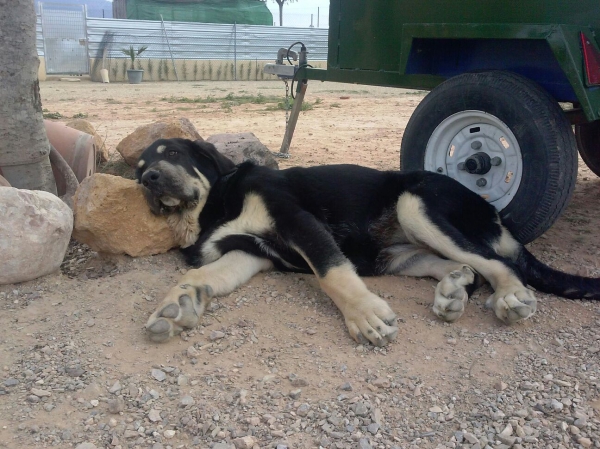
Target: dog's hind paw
{"points": [[181, 309], [513, 304], [450, 294], [371, 320]]}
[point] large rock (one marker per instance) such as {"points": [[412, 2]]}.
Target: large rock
{"points": [[134, 144], [35, 229], [111, 216], [240, 147], [86, 127]]}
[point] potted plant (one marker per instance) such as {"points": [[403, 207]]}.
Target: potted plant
{"points": [[134, 75]]}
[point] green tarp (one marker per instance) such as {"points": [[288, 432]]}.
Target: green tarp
{"points": [[251, 12]]}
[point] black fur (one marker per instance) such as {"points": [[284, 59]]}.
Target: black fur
{"points": [[338, 212]]}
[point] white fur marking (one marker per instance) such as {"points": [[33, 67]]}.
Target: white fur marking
{"points": [[161, 148], [254, 219], [141, 163]]}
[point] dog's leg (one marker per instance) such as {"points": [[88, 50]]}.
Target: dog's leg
{"points": [[368, 317], [457, 281], [512, 301], [186, 303]]}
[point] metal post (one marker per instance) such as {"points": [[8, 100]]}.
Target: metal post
{"points": [[235, 51], [295, 112], [169, 45], [318, 11]]}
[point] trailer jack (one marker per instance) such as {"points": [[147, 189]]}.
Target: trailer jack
{"points": [[286, 72]]}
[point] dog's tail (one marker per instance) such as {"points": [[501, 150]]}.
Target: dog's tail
{"points": [[549, 280]]}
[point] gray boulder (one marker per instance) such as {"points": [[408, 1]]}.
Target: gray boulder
{"points": [[240, 147], [35, 229]]}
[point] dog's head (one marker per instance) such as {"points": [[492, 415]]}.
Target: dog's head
{"points": [[177, 174]]}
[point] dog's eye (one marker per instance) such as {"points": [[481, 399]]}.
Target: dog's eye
{"points": [[172, 153]]}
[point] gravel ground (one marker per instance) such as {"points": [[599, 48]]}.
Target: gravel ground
{"points": [[272, 366]]}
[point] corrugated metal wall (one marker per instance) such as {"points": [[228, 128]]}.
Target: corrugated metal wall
{"points": [[196, 40]]}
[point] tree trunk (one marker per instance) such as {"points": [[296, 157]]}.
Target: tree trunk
{"points": [[24, 146]]}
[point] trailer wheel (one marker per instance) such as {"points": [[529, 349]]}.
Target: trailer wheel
{"points": [[588, 142], [502, 136]]}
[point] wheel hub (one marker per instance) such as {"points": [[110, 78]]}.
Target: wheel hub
{"points": [[480, 151], [478, 164]]}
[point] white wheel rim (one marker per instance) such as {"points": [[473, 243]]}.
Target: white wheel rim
{"points": [[459, 137]]}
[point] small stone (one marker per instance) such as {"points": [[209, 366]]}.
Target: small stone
{"points": [[116, 405], [90, 322], [435, 409], [192, 353], [299, 382], [417, 391], [40, 393], [246, 442], [471, 439], [49, 407], [74, 371], [345, 386], [295, 394], [363, 443], [557, 406], [169, 434], [159, 375], [501, 386], [585, 442], [32, 398], [94, 402], [302, 410], [373, 428], [253, 421], [154, 415], [86, 446], [381, 382], [360, 409], [115, 388], [216, 335], [10, 382], [186, 401]]}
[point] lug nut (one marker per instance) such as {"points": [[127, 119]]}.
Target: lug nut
{"points": [[496, 161], [476, 145], [481, 182], [440, 170], [461, 165]]}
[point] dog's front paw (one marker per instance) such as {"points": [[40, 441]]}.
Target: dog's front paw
{"points": [[181, 309], [450, 294], [513, 303], [371, 320]]}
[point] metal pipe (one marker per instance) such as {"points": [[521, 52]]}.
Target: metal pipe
{"points": [[235, 51], [294, 114], [169, 45]]}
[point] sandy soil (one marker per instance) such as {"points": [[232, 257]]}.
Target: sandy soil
{"points": [[92, 316]]}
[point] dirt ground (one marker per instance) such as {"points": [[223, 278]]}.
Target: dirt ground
{"points": [[77, 333]]}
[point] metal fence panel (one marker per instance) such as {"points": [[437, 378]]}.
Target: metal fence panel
{"points": [[58, 24], [200, 40], [65, 42]]}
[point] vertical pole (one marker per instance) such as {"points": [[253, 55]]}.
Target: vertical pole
{"points": [[169, 45], [318, 11], [235, 51]]}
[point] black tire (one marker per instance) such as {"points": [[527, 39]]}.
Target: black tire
{"points": [[588, 143], [548, 162]]}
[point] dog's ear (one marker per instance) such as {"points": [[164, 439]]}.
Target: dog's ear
{"points": [[208, 151]]}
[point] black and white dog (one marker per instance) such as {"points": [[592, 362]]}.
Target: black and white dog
{"points": [[338, 222]]}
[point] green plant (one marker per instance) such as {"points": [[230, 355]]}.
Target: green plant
{"points": [[166, 69], [124, 70], [132, 53], [210, 70], [195, 70], [80, 115], [184, 70], [150, 67], [54, 115], [219, 73], [160, 70]]}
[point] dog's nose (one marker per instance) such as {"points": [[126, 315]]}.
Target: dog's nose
{"points": [[150, 177]]}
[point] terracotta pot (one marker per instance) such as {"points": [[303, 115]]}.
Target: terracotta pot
{"points": [[77, 149]]}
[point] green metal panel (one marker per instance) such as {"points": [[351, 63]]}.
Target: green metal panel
{"points": [[370, 40]]}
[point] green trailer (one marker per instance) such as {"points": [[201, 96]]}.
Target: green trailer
{"points": [[509, 81]]}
